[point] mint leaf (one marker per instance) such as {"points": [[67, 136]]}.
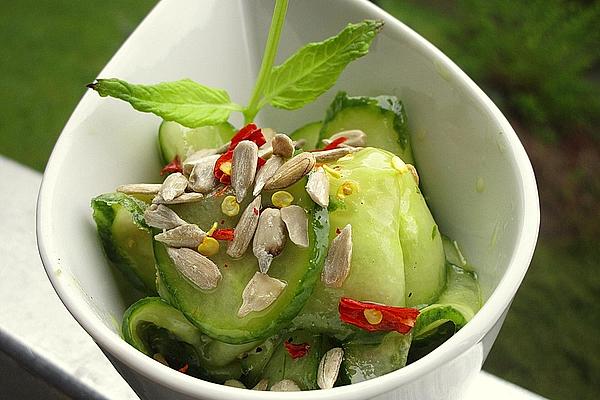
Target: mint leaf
{"points": [[185, 101], [315, 67]]}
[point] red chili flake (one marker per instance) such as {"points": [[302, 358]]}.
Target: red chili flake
{"points": [[399, 319], [249, 132], [222, 222], [335, 143], [221, 175], [221, 191], [255, 211], [261, 161], [223, 234], [338, 231], [173, 166], [184, 369], [296, 350]]}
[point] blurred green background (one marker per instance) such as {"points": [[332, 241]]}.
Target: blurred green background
{"points": [[538, 60]]}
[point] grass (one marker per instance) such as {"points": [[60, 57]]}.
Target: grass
{"points": [[549, 342], [50, 50]]}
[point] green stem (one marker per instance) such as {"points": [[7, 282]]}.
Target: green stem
{"points": [[268, 59]]}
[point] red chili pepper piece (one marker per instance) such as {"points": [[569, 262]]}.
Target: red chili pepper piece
{"points": [[335, 143], [223, 234], [249, 132], [219, 173], [184, 369], [399, 319], [261, 161], [173, 166], [296, 350]]}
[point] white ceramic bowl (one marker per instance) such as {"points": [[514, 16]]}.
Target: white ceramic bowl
{"points": [[477, 177]]}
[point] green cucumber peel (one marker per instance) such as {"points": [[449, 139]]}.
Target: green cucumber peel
{"points": [[108, 211], [303, 77], [390, 107], [152, 325]]}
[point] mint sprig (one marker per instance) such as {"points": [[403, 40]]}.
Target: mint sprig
{"points": [[185, 101], [315, 68], [303, 77]]}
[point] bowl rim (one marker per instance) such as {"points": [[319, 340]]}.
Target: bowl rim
{"points": [[463, 340]]}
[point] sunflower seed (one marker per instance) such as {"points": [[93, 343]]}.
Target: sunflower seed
{"points": [[234, 383], [188, 163], [291, 171], [266, 172], [243, 168], [244, 230], [296, 222], [181, 199], [269, 238], [317, 187], [188, 235], [339, 257], [173, 186], [162, 217], [196, 268], [298, 144], [286, 385], [139, 188], [263, 384], [325, 156], [266, 150], [354, 137], [282, 145], [260, 292], [202, 178], [329, 368]]}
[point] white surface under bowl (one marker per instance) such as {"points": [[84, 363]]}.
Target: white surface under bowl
{"points": [[476, 175]]}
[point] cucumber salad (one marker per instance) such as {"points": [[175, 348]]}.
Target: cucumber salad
{"points": [[283, 261]]}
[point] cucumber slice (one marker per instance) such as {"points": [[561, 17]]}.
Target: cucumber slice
{"points": [[303, 370], [219, 354], [424, 261], [126, 238], [384, 223], [309, 132], [175, 139], [368, 356], [382, 118], [257, 359], [457, 304], [152, 326], [215, 312], [155, 311]]}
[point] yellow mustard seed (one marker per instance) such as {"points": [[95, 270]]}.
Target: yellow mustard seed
{"points": [[346, 189], [230, 207], [212, 229], [373, 317], [398, 164], [282, 199], [226, 167], [208, 247], [332, 172]]}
